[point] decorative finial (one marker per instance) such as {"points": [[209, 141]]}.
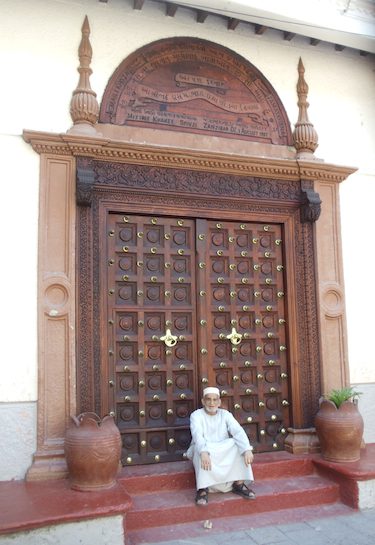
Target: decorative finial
{"points": [[84, 107], [305, 136]]}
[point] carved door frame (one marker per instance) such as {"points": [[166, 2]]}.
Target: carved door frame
{"points": [[58, 251], [147, 189]]}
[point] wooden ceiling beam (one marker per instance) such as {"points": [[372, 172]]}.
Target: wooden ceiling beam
{"points": [[171, 9], [233, 23], [201, 16], [138, 4], [260, 29], [288, 36]]}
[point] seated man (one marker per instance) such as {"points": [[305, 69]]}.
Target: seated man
{"points": [[220, 450]]}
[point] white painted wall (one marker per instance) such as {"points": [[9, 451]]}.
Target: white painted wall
{"points": [[38, 59], [100, 531]]}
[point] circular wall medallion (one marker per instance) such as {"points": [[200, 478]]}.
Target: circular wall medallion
{"points": [[154, 323], [153, 293], [181, 323], [126, 234], [265, 242], [126, 383], [266, 268], [218, 294], [153, 264], [180, 294], [242, 241], [154, 353], [182, 411], [154, 412], [179, 265], [179, 237], [153, 236], [126, 352], [129, 441], [126, 323], [267, 321], [125, 263], [181, 351], [243, 267], [218, 266], [218, 239], [243, 295], [154, 382], [127, 414]]}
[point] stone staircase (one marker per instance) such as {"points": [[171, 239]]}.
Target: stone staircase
{"points": [[156, 502], [287, 487]]}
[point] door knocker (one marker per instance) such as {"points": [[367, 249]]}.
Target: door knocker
{"points": [[234, 337], [169, 339]]}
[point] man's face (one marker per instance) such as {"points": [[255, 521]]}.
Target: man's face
{"points": [[211, 403]]}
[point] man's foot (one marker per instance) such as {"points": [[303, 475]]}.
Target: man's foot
{"points": [[201, 497], [242, 490]]}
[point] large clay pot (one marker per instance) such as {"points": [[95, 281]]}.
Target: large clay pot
{"points": [[340, 431], [92, 451]]}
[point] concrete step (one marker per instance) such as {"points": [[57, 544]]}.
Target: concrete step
{"points": [[166, 507], [196, 529], [180, 475]]}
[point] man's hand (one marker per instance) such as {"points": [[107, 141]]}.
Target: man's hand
{"points": [[205, 461], [248, 457]]}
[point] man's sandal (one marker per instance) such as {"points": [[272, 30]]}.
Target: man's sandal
{"points": [[201, 497], [244, 491]]}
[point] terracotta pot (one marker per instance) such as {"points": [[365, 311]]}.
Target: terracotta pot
{"points": [[92, 451], [340, 431]]}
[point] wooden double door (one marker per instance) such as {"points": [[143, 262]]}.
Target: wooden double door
{"points": [[188, 303]]}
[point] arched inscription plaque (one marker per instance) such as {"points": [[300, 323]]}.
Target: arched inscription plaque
{"points": [[192, 85]]}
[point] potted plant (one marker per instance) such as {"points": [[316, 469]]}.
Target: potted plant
{"points": [[339, 425]]}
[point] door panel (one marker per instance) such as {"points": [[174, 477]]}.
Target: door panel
{"points": [[191, 303], [151, 324], [242, 305]]}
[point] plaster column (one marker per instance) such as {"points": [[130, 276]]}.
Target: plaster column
{"points": [[331, 297], [56, 314]]}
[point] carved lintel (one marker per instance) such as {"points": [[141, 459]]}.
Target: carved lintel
{"points": [[310, 204], [85, 183]]}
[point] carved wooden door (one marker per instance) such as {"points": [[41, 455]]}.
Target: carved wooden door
{"points": [[189, 303], [242, 324], [152, 334]]}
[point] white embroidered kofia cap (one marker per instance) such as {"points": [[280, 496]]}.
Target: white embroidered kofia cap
{"points": [[211, 390]]}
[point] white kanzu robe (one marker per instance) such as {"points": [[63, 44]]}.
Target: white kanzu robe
{"points": [[225, 439]]}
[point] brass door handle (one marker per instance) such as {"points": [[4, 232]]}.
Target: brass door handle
{"points": [[234, 337], [169, 339]]}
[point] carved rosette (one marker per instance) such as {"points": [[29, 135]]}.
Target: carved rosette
{"points": [[84, 107], [305, 136]]}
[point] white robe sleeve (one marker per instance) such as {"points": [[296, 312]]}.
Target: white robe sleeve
{"points": [[197, 432], [238, 433]]}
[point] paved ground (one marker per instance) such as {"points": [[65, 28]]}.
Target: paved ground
{"points": [[355, 528]]}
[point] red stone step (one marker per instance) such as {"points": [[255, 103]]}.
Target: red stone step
{"points": [[160, 508], [180, 475], [195, 529]]}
